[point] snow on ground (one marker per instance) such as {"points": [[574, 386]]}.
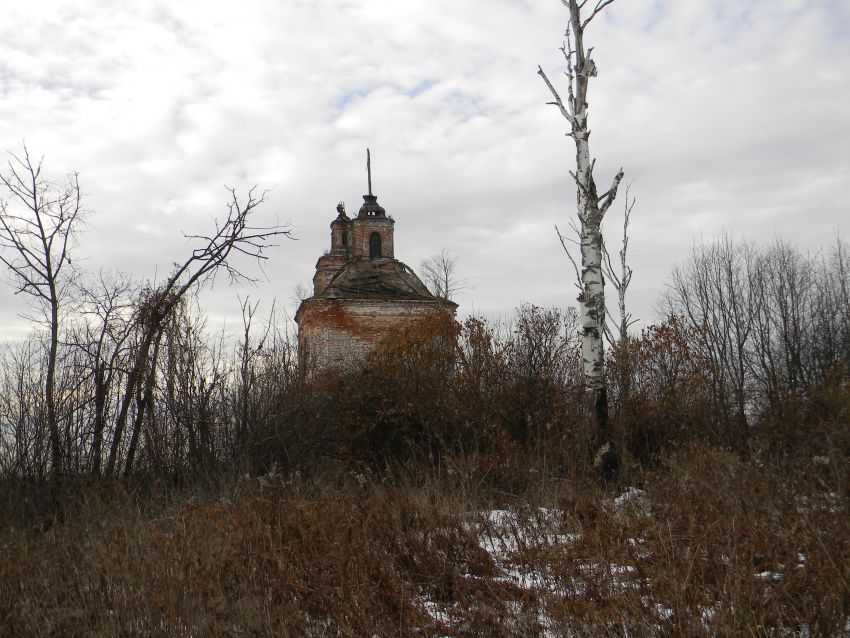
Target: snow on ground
{"points": [[506, 535], [512, 539]]}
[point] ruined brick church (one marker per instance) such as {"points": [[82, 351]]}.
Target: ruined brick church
{"points": [[361, 292]]}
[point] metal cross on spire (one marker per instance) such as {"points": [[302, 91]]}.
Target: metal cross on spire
{"points": [[370, 207], [369, 169]]}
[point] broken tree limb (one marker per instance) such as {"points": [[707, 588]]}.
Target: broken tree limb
{"points": [[558, 102]]}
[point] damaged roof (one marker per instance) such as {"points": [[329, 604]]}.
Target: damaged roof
{"points": [[359, 279]]}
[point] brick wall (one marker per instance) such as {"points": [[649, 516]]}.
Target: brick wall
{"points": [[341, 332], [362, 228]]}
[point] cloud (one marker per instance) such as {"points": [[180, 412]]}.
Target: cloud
{"points": [[725, 115]]}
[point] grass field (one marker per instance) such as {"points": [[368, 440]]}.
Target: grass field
{"points": [[706, 545]]}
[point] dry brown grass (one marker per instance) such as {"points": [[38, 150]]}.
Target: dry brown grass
{"points": [[713, 546]]}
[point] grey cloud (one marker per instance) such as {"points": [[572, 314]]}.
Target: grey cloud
{"points": [[719, 116]]}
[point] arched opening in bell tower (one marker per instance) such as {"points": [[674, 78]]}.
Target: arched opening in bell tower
{"points": [[374, 246]]}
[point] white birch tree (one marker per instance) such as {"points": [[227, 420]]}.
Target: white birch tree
{"points": [[591, 210]]}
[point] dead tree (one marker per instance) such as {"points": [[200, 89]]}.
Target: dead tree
{"points": [[106, 329], [440, 274], [248, 353], [620, 277], [36, 226], [234, 236], [591, 210]]}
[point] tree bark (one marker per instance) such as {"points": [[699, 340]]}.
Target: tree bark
{"points": [[129, 393], [591, 211], [50, 385]]}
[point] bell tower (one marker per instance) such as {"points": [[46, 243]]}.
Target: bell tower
{"points": [[372, 230], [330, 263]]}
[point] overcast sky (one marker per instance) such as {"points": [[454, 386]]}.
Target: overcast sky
{"points": [[725, 114]]}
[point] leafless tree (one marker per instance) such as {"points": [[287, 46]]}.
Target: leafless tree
{"points": [[440, 274], [592, 207], [770, 322], [265, 392], [37, 222], [543, 342], [188, 429], [233, 236], [621, 276], [24, 443], [299, 293], [830, 327], [713, 293], [104, 337], [541, 354], [250, 354]]}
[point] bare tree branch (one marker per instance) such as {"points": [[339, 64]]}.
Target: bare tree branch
{"points": [[235, 234], [37, 223], [599, 6], [558, 102], [440, 274], [563, 241], [611, 193]]}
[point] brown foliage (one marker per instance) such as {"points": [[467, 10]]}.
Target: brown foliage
{"points": [[442, 389], [662, 391], [713, 546]]}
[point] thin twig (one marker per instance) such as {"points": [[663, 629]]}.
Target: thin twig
{"points": [[562, 239]]}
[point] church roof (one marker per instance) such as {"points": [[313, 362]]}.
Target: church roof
{"points": [[371, 207], [358, 279]]}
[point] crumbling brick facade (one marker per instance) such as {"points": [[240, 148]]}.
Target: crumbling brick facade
{"points": [[361, 293]]}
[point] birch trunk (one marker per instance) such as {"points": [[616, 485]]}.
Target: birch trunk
{"points": [[591, 210]]}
